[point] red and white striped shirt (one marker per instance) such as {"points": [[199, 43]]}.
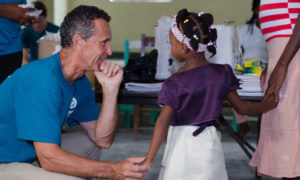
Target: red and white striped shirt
{"points": [[278, 17]]}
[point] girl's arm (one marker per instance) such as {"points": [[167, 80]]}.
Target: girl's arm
{"points": [[248, 108], [160, 131]]}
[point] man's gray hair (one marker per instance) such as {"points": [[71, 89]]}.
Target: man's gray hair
{"points": [[80, 21]]}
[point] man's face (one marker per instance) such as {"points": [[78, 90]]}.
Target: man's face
{"points": [[40, 24], [97, 47]]}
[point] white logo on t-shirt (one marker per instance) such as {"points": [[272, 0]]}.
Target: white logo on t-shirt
{"points": [[73, 103], [72, 107]]}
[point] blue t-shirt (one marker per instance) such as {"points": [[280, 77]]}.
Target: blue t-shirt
{"points": [[10, 39], [30, 37], [36, 101]]}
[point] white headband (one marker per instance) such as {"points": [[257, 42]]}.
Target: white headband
{"points": [[183, 39]]}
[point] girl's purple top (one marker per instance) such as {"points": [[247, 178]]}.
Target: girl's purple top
{"points": [[197, 94]]}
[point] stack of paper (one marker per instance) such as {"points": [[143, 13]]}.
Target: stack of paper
{"points": [[249, 85], [143, 87]]}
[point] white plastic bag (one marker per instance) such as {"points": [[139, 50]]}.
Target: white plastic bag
{"points": [[163, 46]]}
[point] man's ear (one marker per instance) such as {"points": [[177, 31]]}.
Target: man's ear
{"points": [[77, 41]]}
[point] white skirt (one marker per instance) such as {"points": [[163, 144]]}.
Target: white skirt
{"points": [[189, 157]]}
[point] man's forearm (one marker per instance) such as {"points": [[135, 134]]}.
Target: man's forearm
{"points": [[107, 121], [54, 159], [109, 76]]}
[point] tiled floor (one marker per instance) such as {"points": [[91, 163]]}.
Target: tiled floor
{"points": [[126, 146]]}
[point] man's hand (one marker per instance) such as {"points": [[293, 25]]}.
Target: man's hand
{"points": [[109, 76], [276, 79], [129, 169], [13, 12]]}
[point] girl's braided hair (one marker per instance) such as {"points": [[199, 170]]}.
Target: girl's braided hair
{"points": [[198, 29]]}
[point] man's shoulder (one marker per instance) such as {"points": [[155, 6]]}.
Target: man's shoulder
{"points": [[40, 68]]}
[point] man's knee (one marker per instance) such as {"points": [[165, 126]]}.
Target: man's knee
{"points": [[25, 171], [80, 144]]}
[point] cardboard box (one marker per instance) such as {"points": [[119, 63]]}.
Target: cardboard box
{"points": [[47, 48]]}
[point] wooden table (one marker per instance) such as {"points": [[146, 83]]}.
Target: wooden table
{"points": [[150, 98]]}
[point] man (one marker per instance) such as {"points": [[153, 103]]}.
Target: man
{"points": [[40, 97], [11, 16], [31, 34]]}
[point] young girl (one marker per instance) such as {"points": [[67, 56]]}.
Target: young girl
{"points": [[192, 101]]}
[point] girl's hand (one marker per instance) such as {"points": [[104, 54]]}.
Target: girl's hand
{"points": [[269, 102], [146, 162]]}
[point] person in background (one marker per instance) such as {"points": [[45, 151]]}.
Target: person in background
{"points": [[39, 98], [277, 153], [192, 102], [31, 34], [252, 45], [11, 17]]}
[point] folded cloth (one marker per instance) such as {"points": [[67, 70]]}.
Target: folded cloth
{"points": [[143, 87]]}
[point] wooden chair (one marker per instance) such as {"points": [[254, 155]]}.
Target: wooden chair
{"points": [[146, 42], [128, 109]]}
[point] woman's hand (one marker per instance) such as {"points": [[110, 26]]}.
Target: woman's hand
{"points": [[17, 14], [269, 102], [276, 79], [262, 78]]}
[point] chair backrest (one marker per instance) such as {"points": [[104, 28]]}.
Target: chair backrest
{"points": [[147, 41], [126, 52], [142, 44]]}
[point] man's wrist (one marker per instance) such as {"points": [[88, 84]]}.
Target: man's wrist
{"points": [[110, 92], [106, 170], [111, 170]]}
